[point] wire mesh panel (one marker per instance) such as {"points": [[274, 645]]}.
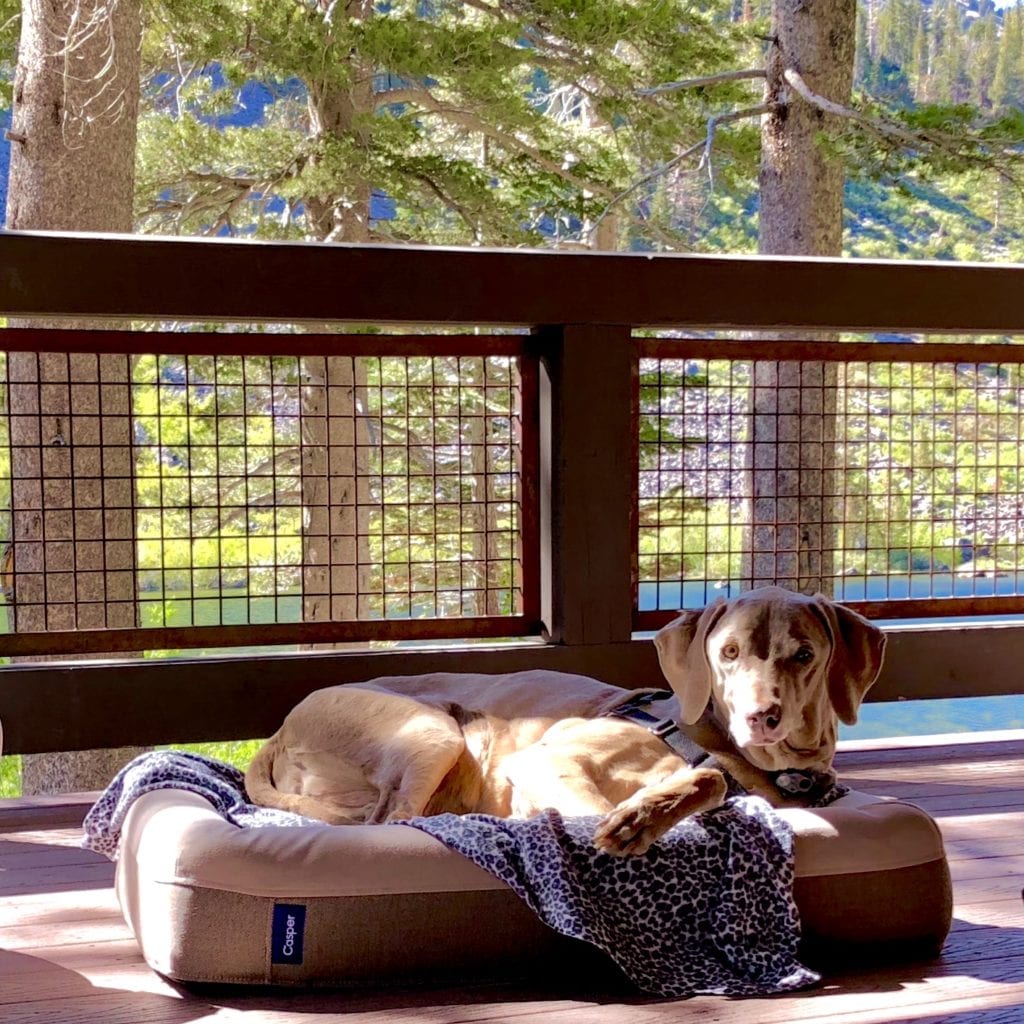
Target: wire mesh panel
{"points": [[892, 475], [161, 492], [414, 502], [692, 502]]}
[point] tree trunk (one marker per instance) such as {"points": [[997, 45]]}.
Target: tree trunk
{"points": [[344, 113], [76, 99], [794, 404], [801, 185], [76, 94], [334, 433], [335, 562]]}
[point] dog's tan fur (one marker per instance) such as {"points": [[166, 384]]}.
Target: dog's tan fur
{"points": [[513, 744]]}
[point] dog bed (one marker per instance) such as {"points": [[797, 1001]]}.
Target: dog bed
{"points": [[315, 904]]}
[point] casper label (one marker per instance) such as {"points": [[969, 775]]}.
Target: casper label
{"points": [[287, 932]]}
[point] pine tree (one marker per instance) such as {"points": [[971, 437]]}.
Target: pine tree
{"points": [[980, 63], [1007, 80], [801, 193], [495, 124], [76, 92], [864, 62], [898, 24], [948, 48], [920, 67]]}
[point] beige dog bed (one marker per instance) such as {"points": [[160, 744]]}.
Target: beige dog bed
{"points": [[209, 902]]}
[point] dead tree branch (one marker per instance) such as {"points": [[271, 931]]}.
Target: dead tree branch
{"points": [[696, 83], [704, 147], [957, 146]]}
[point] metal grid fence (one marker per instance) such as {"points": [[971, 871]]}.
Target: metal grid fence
{"points": [[252, 489], [890, 475], [153, 493]]}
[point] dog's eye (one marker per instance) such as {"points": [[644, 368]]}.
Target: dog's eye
{"points": [[804, 655], [730, 652]]}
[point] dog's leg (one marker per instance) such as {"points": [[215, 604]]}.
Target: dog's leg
{"points": [[543, 776], [410, 778], [636, 823], [351, 754]]}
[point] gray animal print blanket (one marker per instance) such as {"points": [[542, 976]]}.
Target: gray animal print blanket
{"points": [[708, 909]]}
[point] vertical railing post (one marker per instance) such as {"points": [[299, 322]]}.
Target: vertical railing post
{"points": [[587, 485]]}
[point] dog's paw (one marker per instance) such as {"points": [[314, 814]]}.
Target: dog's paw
{"points": [[632, 827], [628, 831]]}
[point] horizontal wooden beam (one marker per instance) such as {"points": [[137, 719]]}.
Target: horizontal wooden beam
{"points": [[795, 350], [169, 638], [63, 810], [252, 343], [57, 706], [905, 609], [220, 279]]}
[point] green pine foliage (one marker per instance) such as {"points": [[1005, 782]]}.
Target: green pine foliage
{"points": [[492, 124]]}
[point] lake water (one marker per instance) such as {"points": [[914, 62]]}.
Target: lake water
{"points": [[891, 586], [903, 718], [925, 717]]}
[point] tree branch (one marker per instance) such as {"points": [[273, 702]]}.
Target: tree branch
{"points": [[794, 79], [958, 146], [451, 203], [720, 119], [696, 83], [879, 127], [431, 104], [240, 513], [704, 147], [389, 96]]}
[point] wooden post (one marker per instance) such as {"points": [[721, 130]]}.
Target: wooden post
{"points": [[587, 483]]}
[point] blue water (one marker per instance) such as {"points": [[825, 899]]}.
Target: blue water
{"points": [[928, 717], [891, 586], [902, 718]]}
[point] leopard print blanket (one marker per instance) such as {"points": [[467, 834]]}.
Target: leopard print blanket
{"points": [[707, 910]]}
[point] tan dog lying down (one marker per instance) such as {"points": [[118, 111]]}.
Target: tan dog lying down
{"points": [[760, 678]]}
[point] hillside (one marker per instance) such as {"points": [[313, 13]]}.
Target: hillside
{"points": [[952, 53]]}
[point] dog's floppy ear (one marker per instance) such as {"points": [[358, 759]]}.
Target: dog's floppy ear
{"points": [[684, 658], [857, 650]]}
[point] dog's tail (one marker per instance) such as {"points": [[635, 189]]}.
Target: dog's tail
{"points": [[259, 777], [259, 785]]}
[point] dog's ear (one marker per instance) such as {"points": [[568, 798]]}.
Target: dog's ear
{"points": [[684, 658], [858, 647]]}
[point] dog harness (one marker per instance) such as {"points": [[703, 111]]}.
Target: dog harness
{"points": [[665, 729], [820, 788]]}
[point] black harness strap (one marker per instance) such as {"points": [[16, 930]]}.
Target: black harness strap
{"points": [[664, 728]]}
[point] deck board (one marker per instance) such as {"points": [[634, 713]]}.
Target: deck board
{"points": [[67, 956]]}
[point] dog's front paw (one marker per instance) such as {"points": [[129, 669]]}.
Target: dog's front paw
{"points": [[628, 831], [632, 827]]}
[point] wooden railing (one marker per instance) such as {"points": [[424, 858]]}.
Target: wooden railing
{"points": [[581, 311]]}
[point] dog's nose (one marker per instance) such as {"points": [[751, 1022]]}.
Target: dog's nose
{"points": [[766, 719]]}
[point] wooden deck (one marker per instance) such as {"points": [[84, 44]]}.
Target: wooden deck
{"points": [[66, 955]]}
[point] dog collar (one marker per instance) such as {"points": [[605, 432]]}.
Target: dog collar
{"points": [[818, 788]]}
